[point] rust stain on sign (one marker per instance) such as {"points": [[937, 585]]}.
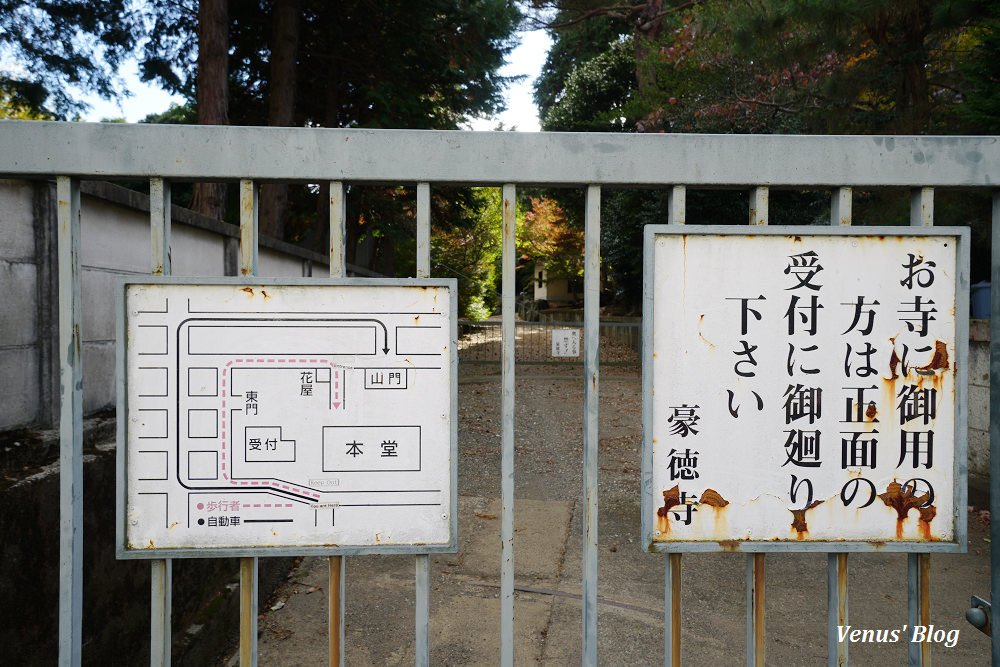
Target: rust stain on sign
{"points": [[939, 361], [799, 524], [712, 497], [903, 499], [671, 498]]}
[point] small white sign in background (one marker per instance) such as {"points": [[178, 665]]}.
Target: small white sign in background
{"points": [[565, 342], [287, 415]]}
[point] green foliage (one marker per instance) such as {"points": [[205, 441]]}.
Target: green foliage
{"points": [[981, 110], [597, 94], [469, 249], [62, 46], [573, 45], [177, 114], [11, 109]]}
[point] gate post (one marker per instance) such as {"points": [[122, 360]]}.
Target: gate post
{"points": [[70, 424]]}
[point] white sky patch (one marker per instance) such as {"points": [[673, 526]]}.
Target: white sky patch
{"points": [[526, 59], [143, 99]]}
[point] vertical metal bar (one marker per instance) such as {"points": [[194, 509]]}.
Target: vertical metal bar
{"points": [[677, 205], [591, 388], [836, 609], [840, 207], [922, 207], [248, 228], [423, 230], [335, 610], [995, 421], [422, 582], [159, 219], [335, 564], [161, 572], [508, 293], [70, 424], [248, 611], [918, 565], [924, 576], [913, 608], [422, 571], [672, 612], [836, 564], [338, 217], [759, 198], [677, 215], [755, 610], [248, 566]]}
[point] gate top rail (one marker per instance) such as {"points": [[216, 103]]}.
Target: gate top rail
{"points": [[115, 150]]}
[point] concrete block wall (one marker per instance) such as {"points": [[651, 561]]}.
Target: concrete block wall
{"points": [[979, 410], [115, 241], [27, 255]]}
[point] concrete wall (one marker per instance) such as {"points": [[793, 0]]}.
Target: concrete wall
{"points": [[26, 275], [115, 241], [979, 412]]}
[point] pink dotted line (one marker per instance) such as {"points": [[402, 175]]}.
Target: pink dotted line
{"points": [[277, 485]]}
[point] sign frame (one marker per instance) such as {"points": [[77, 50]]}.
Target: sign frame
{"points": [[650, 503], [122, 549]]}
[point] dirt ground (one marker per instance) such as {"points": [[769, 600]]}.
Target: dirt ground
{"points": [[548, 545]]}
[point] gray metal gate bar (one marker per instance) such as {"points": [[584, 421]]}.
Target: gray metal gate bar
{"points": [[836, 609], [508, 295], [248, 611], [918, 565], [422, 566], [995, 421], [161, 570], [591, 390], [335, 564], [676, 215], [759, 204], [836, 564], [248, 565], [70, 424]]}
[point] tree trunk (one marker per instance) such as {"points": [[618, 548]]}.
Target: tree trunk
{"points": [[914, 100], [281, 108], [647, 28], [212, 93]]}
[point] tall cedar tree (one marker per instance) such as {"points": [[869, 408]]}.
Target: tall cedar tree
{"points": [[392, 64]]}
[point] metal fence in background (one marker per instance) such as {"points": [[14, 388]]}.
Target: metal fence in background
{"points": [[481, 342]]}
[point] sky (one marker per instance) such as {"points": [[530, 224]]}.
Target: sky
{"points": [[526, 59]]}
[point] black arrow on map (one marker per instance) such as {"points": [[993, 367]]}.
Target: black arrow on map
{"points": [[385, 331]]}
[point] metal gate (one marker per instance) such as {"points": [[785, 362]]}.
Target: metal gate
{"points": [[482, 342], [162, 154]]}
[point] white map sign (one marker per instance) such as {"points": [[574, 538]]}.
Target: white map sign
{"points": [[807, 387], [307, 415]]}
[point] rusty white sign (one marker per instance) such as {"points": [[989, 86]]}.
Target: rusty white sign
{"points": [[297, 416], [805, 386]]}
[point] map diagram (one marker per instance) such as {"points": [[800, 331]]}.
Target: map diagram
{"points": [[288, 415]]}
